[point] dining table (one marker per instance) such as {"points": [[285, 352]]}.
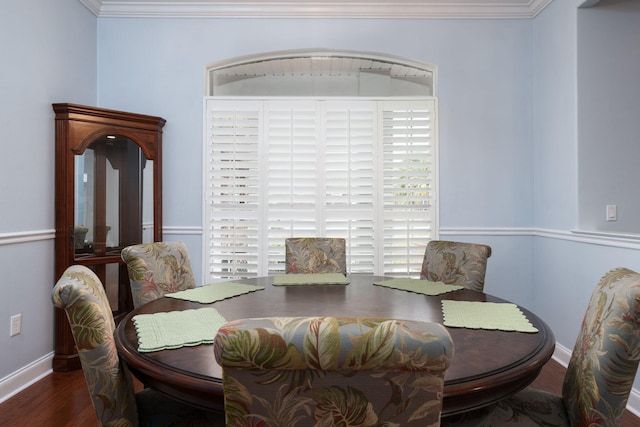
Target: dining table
{"points": [[490, 362]]}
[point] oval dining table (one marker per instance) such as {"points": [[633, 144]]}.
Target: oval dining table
{"points": [[488, 365]]}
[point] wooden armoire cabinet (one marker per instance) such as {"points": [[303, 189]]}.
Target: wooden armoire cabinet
{"points": [[108, 195]]}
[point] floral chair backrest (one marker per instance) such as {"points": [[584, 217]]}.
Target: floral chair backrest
{"points": [[156, 269], [315, 255], [333, 371], [605, 358], [456, 263], [81, 294]]}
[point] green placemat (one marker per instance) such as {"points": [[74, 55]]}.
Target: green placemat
{"points": [[418, 286], [310, 279], [174, 329], [215, 292], [485, 315]]}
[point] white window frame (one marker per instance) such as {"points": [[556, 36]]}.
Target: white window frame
{"points": [[382, 258]]}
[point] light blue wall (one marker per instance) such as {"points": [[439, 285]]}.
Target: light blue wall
{"points": [[508, 126], [555, 203], [566, 266], [508, 131], [48, 52], [555, 200], [608, 113], [156, 66]]}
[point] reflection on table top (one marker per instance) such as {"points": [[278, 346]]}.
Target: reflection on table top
{"points": [[487, 365]]}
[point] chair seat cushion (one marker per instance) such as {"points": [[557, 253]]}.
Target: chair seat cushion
{"points": [[528, 408]]}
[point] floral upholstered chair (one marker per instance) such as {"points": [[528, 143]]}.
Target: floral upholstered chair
{"points": [[81, 294], [315, 255], [601, 370], [333, 371], [456, 263], [156, 269]]}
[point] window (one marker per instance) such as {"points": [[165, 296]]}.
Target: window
{"points": [[362, 169], [320, 73]]}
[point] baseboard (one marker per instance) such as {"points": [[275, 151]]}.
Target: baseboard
{"points": [[23, 378], [562, 356]]}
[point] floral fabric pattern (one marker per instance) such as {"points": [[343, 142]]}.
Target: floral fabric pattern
{"points": [[156, 269], [605, 358], [456, 263], [81, 294], [601, 370], [315, 255], [328, 371]]}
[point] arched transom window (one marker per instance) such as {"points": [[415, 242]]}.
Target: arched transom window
{"points": [[320, 73], [319, 144]]}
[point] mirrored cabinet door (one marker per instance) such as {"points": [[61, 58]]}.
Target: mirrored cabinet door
{"points": [[113, 197], [108, 196]]}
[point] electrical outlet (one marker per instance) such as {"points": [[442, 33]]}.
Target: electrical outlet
{"points": [[16, 324]]}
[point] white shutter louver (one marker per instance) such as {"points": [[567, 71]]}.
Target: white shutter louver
{"points": [[407, 188], [232, 190], [290, 183], [358, 169], [350, 135]]}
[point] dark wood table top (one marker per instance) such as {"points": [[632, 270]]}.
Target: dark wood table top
{"points": [[487, 365]]}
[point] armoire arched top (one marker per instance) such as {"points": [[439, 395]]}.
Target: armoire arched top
{"points": [[320, 73]]}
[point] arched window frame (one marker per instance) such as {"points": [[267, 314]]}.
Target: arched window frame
{"points": [[329, 67], [397, 250]]}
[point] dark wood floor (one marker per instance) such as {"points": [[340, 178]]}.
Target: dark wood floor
{"points": [[62, 400]]}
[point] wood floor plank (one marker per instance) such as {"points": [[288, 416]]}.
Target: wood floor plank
{"points": [[58, 400]]}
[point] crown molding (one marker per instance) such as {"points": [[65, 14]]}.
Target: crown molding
{"points": [[93, 5], [442, 9]]}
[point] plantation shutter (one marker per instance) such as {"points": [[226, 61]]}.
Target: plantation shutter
{"points": [[290, 183], [233, 190], [350, 169], [408, 192], [358, 169]]}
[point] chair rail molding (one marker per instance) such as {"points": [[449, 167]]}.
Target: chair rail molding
{"points": [[182, 230], [486, 231], [626, 241], [26, 236]]}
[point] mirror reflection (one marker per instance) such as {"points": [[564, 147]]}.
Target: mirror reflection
{"points": [[113, 193]]}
